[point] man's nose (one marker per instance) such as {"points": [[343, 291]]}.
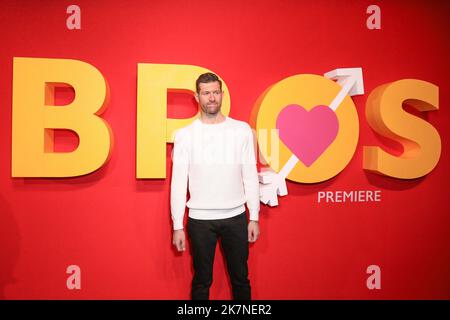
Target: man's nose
{"points": [[212, 97]]}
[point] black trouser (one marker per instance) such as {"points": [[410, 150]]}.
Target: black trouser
{"points": [[234, 237]]}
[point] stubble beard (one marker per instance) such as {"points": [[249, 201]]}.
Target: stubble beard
{"points": [[212, 110]]}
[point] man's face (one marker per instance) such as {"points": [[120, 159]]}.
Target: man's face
{"points": [[209, 97]]}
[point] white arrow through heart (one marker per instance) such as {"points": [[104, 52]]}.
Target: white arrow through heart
{"points": [[273, 184]]}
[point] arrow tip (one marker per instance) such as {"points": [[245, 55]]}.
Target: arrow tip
{"points": [[343, 74]]}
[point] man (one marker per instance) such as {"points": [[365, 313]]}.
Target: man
{"points": [[215, 154]]}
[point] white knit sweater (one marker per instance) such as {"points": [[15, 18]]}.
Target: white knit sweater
{"points": [[218, 161]]}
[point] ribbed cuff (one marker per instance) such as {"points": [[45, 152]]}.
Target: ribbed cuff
{"points": [[177, 224], [254, 215]]}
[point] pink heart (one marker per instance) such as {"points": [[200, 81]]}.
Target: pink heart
{"points": [[307, 134]]}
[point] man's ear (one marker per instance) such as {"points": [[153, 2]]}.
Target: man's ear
{"points": [[196, 97]]}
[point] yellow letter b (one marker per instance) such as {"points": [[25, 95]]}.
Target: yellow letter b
{"points": [[35, 117]]}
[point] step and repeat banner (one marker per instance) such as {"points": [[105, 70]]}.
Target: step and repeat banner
{"points": [[349, 106]]}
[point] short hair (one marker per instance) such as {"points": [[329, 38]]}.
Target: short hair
{"points": [[206, 78]]}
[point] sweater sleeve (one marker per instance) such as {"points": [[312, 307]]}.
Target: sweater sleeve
{"points": [[178, 187], [250, 176]]}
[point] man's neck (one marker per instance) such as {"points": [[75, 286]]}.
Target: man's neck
{"points": [[212, 118]]}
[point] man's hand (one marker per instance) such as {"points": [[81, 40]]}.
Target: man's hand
{"points": [[253, 231], [179, 240]]}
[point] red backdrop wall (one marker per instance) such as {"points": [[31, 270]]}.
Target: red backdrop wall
{"points": [[117, 228]]}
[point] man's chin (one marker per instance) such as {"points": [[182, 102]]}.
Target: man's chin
{"points": [[212, 110]]}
